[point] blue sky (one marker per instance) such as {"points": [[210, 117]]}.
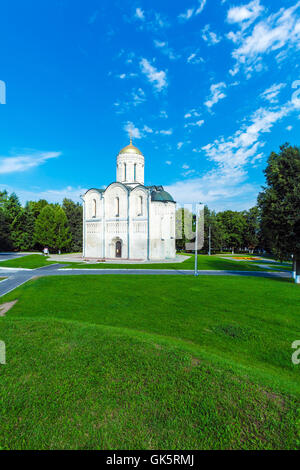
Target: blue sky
{"points": [[208, 89]]}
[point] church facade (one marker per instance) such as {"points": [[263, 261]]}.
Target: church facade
{"points": [[128, 220]]}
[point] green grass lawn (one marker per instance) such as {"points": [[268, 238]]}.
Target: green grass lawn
{"points": [[216, 262], [28, 261], [133, 362]]}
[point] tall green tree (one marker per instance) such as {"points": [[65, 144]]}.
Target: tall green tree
{"points": [[74, 216], [12, 207], [36, 206], [6, 243], [252, 228], [213, 225], [280, 205], [233, 226], [62, 236], [22, 230], [44, 230]]}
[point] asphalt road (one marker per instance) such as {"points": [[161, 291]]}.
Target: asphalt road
{"points": [[10, 255], [17, 277]]}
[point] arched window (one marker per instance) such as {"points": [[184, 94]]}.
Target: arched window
{"points": [[140, 205], [117, 205], [124, 171], [94, 208], [134, 172]]}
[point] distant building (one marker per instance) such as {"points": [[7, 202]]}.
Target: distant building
{"points": [[128, 220]]}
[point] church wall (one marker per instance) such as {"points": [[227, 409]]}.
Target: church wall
{"points": [[162, 228], [93, 226], [138, 224], [116, 220]]}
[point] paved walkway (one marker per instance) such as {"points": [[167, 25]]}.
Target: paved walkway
{"points": [[17, 277]]}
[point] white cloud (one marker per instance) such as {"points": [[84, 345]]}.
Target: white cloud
{"points": [[138, 96], [278, 32], [187, 15], [168, 162], [217, 94], [148, 130], [132, 130], [225, 186], [139, 13], [157, 78], [237, 150], [209, 36], [245, 14], [193, 124], [194, 59], [25, 161], [272, 92], [122, 76], [192, 113], [202, 4], [179, 145], [165, 49], [135, 132], [192, 11], [165, 132], [51, 195], [289, 128], [185, 166], [163, 114], [218, 190]]}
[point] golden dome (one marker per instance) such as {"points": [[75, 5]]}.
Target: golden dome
{"points": [[130, 149]]}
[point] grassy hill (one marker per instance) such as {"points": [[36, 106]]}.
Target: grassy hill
{"points": [[144, 363]]}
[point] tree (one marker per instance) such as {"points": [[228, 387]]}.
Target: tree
{"points": [[218, 236], [22, 230], [12, 207], [233, 224], [252, 228], [280, 205], [36, 206], [44, 230], [5, 236], [62, 236], [74, 216]]}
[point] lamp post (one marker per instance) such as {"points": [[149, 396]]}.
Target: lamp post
{"points": [[196, 245], [209, 240]]}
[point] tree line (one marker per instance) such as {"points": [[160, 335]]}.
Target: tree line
{"points": [[227, 230], [273, 225], [39, 224]]}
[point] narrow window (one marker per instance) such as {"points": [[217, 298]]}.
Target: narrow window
{"points": [[140, 205], [117, 207], [94, 209], [124, 171], [134, 171]]}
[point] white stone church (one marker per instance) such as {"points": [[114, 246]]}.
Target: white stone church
{"points": [[128, 220]]}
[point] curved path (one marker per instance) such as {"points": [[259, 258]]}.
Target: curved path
{"points": [[16, 277]]}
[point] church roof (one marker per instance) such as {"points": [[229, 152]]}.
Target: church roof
{"points": [[130, 149], [161, 195]]}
